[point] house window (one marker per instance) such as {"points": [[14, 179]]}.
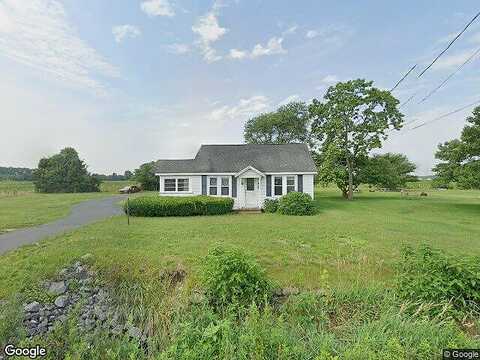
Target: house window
{"points": [[182, 184], [290, 183], [250, 184], [225, 186], [170, 185], [176, 185], [278, 185], [213, 186]]}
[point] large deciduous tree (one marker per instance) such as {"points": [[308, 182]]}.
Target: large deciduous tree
{"points": [[390, 171], [288, 124], [352, 119], [460, 158], [64, 173]]}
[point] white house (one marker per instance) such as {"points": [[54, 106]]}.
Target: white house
{"points": [[248, 173]]}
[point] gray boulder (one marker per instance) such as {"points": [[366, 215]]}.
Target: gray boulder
{"points": [[61, 301], [57, 288], [32, 307]]}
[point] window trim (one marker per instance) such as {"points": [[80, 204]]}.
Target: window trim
{"points": [[275, 185], [219, 186], [294, 183], [176, 191]]}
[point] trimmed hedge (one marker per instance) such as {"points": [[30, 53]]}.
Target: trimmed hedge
{"points": [[155, 206], [296, 203]]}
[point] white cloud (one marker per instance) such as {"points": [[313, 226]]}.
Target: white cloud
{"points": [[289, 99], [452, 61], [330, 79], [238, 54], [312, 34], [157, 8], [244, 109], [36, 33], [209, 31], [121, 32], [178, 49], [475, 38], [331, 35], [273, 47]]}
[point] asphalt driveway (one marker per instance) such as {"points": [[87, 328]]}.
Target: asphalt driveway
{"points": [[81, 214]]}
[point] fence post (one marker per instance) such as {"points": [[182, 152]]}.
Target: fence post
{"points": [[128, 210]]}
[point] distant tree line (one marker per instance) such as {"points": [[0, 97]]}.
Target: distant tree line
{"points": [[16, 173]]}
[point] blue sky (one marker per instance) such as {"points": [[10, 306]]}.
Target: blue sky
{"points": [[126, 82]]}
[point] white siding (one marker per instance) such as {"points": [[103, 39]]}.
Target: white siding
{"points": [[308, 186], [195, 187]]}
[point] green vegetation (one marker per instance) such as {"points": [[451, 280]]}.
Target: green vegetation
{"points": [[388, 171], [343, 260], [231, 278], [460, 157], [145, 176], [64, 173], [157, 206], [15, 174], [349, 123], [288, 124], [270, 205], [296, 203], [451, 283]]}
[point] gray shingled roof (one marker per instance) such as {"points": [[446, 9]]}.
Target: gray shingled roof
{"points": [[233, 158]]}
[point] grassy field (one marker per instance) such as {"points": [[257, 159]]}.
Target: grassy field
{"points": [[349, 250], [353, 242], [21, 207]]}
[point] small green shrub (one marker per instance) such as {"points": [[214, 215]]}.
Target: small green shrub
{"points": [[270, 205], [296, 203], [431, 276], [230, 277], [153, 206]]}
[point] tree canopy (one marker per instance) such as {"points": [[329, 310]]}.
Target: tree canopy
{"points": [[145, 175], [460, 158], [288, 124], [390, 171], [351, 121], [64, 173]]}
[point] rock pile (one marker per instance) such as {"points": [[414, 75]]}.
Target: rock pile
{"points": [[76, 286]]}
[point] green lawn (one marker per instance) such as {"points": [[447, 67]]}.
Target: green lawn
{"points": [[21, 207], [353, 241]]}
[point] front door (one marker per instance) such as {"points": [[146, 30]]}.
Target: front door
{"points": [[251, 193]]}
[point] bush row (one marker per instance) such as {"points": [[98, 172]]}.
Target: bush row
{"points": [[154, 206]]}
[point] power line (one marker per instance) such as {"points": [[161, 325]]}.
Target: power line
{"points": [[404, 77], [445, 115], [450, 76], [407, 101], [450, 44]]}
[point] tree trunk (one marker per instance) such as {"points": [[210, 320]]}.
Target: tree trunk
{"points": [[350, 179]]}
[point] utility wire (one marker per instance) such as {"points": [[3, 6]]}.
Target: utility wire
{"points": [[404, 77], [450, 76], [450, 44], [445, 115]]}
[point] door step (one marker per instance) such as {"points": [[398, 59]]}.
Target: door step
{"points": [[248, 211]]}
